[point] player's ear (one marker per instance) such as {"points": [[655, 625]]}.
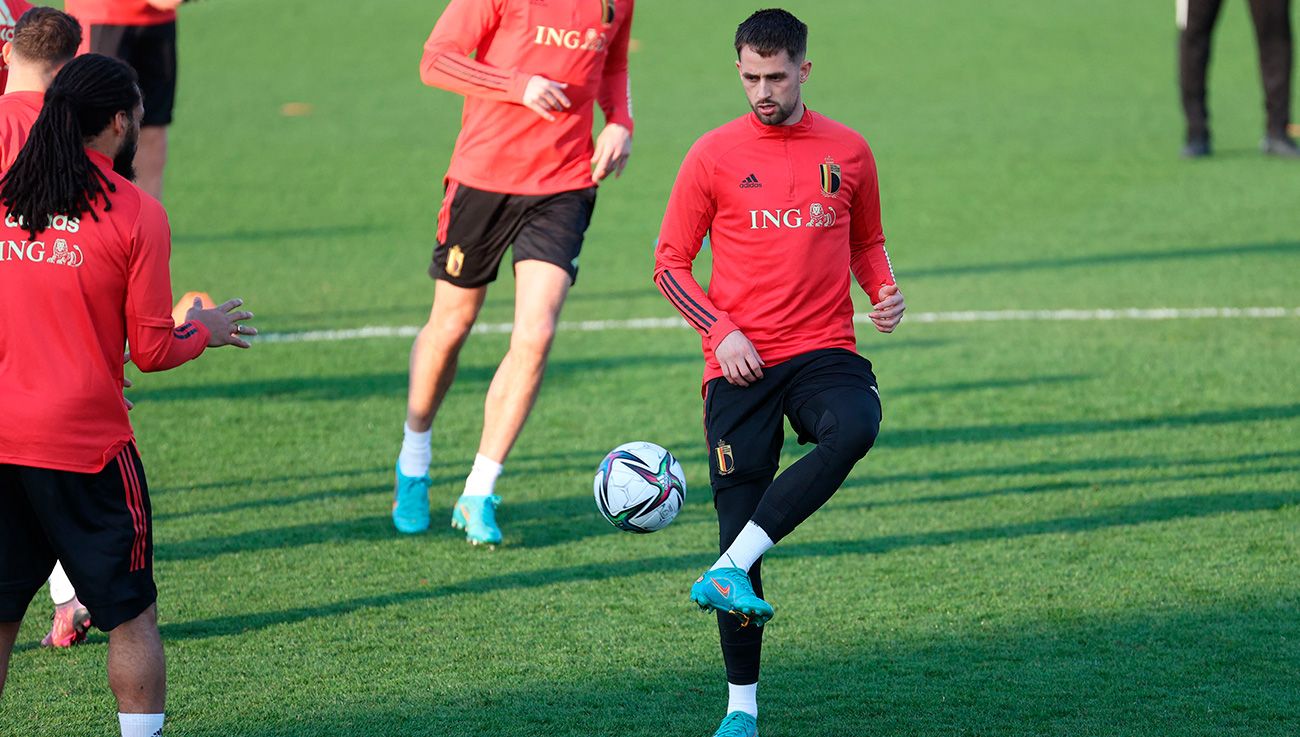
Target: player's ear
{"points": [[7, 52], [804, 70]]}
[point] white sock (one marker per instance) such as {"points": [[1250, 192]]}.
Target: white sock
{"points": [[140, 725], [61, 590], [743, 698], [416, 452], [748, 547], [482, 479]]}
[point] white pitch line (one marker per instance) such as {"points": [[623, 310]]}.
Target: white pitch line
{"points": [[672, 323]]}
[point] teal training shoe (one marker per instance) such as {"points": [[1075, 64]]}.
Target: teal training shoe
{"points": [[729, 590], [737, 724], [477, 516], [411, 503]]}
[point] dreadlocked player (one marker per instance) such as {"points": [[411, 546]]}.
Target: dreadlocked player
{"points": [[84, 267]]}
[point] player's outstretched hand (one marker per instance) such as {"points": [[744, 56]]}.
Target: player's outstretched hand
{"points": [[543, 96], [740, 363], [889, 310], [613, 146], [223, 324]]}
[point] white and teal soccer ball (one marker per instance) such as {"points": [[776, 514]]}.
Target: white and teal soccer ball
{"points": [[640, 487]]}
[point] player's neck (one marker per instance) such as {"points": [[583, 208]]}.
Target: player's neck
{"points": [[26, 80]]}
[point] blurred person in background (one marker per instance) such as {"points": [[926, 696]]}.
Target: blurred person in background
{"points": [[141, 33], [1272, 20]]}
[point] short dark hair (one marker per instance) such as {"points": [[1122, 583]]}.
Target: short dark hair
{"points": [[770, 31], [47, 35]]}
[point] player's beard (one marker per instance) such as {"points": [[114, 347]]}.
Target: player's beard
{"points": [[124, 162], [779, 116]]}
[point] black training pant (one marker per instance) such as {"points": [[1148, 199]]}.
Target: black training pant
{"points": [[830, 398], [1272, 20]]}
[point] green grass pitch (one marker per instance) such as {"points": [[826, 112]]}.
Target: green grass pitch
{"points": [[1066, 528]]}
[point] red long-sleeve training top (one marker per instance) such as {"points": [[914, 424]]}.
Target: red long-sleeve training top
{"points": [[503, 146], [115, 13], [791, 212], [69, 301], [18, 111]]}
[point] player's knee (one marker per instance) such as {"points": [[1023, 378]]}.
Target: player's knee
{"points": [[848, 432], [451, 327], [533, 338]]}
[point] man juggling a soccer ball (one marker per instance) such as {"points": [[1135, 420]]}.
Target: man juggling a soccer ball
{"points": [[790, 201]]}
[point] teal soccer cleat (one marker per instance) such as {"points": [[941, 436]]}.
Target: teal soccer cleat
{"points": [[411, 503], [729, 590], [737, 724], [477, 516]]}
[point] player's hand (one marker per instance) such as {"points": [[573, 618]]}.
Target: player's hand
{"points": [[889, 310], [740, 363], [613, 146], [544, 96], [224, 325], [166, 4]]}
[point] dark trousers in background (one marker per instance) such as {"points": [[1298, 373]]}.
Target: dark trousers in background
{"points": [[1272, 20]]}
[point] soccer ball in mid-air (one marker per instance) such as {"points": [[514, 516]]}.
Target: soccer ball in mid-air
{"points": [[640, 487]]}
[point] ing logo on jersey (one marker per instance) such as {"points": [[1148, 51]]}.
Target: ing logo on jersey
{"points": [[607, 12], [831, 179]]}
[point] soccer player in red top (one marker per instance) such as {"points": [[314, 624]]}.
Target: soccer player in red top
{"points": [[524, 176], [43, 40], [83, 269], [790, 202], [141, 33], [10, 12]]}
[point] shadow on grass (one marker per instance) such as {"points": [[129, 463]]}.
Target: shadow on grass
{"points": [[379, 529], [1284, 248], [919, 437], [1187, 672]]}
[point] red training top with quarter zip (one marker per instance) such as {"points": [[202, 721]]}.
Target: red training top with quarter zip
{"points": [[790, 212], [116, 13], [69, 301], [504, 146], [18, 111]]}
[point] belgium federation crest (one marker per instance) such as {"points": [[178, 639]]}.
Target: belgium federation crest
{"points": [[455, 261], [607, 12], [830, 179], [726, 461]]}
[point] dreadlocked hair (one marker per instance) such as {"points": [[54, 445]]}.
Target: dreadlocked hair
{"points": [[52, 174]]}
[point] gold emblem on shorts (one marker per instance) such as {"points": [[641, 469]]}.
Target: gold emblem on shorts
{"points": [[726, 461], [455, 261]]}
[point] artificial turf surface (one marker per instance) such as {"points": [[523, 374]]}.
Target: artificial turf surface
{"points": [[1066, 528]]}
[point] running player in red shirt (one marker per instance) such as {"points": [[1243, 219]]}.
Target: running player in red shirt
{"points": [[790, 202], [83, 268], [524, 176], [10, 12], [141, 33]]}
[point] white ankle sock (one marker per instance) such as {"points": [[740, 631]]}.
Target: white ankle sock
{"points": [[748, 547], [61, 590], [482, 479], [416, 452], [140, 725], [743, 698]]}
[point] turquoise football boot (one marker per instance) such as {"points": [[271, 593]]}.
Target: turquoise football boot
{"points": [[477, 516], [737, 724], [729, 590], [411, 503]]}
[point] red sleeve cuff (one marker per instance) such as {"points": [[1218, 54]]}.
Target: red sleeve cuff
{"points": [[720, 329]]}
